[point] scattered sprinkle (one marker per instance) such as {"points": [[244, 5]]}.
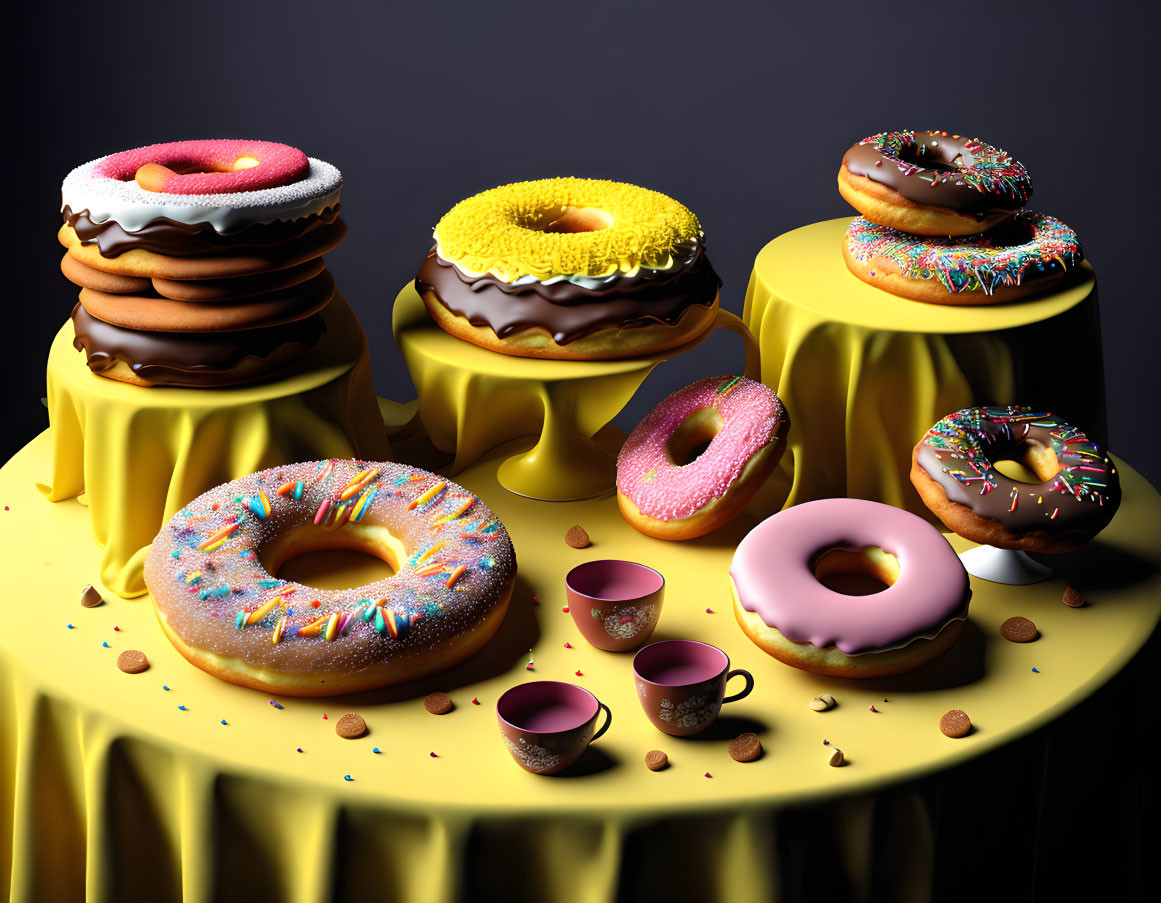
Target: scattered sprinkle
{"points": [[276, 704], [164, 687], [871, 708], [70, 626], [1037, 670], [300, 749], [223, 721], [565, 609], [324, 717], [433, 755], [475, 701], [183, 708], [709, 611], [105, 644], [568, 645], [708, 775], [115, 627], [376, 750], [347, 777], [579, 674]]}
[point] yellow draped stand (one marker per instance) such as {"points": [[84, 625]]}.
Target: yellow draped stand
{"points": [[118, 788], [136, 455], [864, 373], [472, 400]]}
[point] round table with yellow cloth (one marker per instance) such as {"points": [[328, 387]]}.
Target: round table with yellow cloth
{"points": [[172, 785], [864, 373], [136, 455]]}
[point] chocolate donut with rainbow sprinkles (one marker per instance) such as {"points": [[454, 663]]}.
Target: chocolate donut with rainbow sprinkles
{"points": [[933, 183], [570, 269], [210, 573], [953, 468]]}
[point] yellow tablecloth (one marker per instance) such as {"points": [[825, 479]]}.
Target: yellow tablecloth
{"points": [[112, 789], [865, 373], [135, 455]]}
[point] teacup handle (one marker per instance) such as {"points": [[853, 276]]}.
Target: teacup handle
{"points": [[749, 685], [608, 720]]}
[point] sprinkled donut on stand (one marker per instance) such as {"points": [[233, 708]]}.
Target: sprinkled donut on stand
{"points": [[210, 574], [783, 605], [933, 183], [665, 491], [1020, 258], [953, 468]]}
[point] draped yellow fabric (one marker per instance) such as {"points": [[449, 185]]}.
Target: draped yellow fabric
{"points": [[864, 373], [110, 790], [472, 400], [136, 455]]}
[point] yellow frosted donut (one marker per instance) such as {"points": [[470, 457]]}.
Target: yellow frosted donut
{"points": [[571, 269]]}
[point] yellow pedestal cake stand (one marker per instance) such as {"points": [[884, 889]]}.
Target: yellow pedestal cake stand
{"points": [[865, 373], [472, 400], [136, 455]]}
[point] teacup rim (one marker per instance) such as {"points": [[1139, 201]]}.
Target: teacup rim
{"points": [[629, 600], [563, 683], [637, 674]]}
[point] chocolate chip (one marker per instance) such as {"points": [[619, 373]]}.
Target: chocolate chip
{"points": [[955, 724], [837, 760], [438, 703], [90, 598], [577, 537], [132, 662], [746, 748], [351, 726], [1018, 630]]}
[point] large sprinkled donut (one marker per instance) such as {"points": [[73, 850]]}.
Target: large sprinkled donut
{"points": [[570, 269], [154, 233], [933, 183], [953, 467], [697, 459], [210, 574], [783, 604], [1024, 256]]}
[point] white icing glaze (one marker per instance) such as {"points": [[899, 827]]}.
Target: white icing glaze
{"points": [[132, 207]]}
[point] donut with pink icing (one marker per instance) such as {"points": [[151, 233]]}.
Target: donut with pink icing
{"points": [[212, 574], [849, 588], [211, 166], [697, 459]]}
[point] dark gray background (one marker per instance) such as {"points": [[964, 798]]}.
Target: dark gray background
{"points": [[741, 111]]}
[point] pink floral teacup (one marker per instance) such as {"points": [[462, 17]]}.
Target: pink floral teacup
{"points": [[682, 684]]}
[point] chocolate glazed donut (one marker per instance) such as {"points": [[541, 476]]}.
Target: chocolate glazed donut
{"points": [[566, 310]]}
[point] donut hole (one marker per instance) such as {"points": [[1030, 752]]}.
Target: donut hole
{"points": [[693, 436], [1030, 463], [855, 572], [354, 556], [569, 219]]}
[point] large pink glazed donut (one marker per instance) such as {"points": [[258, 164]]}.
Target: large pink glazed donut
{"points": [[667, 489], [214, 166], [785, 608]]}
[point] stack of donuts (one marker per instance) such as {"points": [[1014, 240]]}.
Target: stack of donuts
{"points": [[200, 263], [943, 221]]}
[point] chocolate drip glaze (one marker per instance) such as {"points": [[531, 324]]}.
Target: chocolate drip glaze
{"points": [[567, 310], [174, 239], [958, 454], [927, 181], [197, 359]]}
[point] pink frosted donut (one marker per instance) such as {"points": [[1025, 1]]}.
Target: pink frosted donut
{"points": [[212, 166], [784, 570], [698, 457]]}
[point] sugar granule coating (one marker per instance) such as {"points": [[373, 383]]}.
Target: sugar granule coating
{"points": [[752, 417], [351, 726]]}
